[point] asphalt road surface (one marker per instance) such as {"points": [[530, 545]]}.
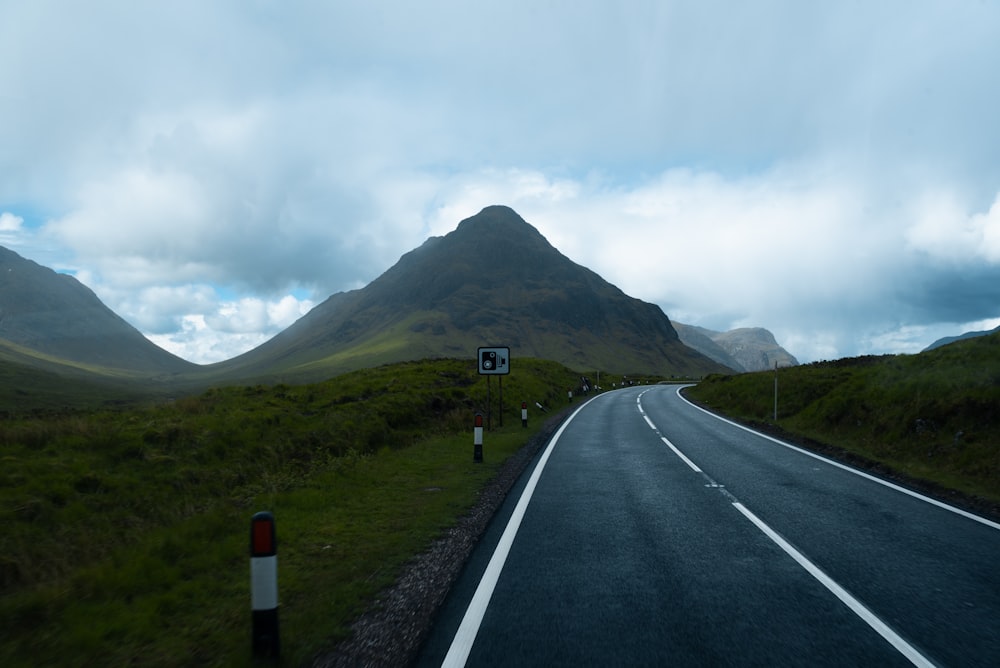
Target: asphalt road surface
{"points": [[649, 532]]}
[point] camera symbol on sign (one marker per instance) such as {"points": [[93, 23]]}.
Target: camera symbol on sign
{"points": [[494, 360]]}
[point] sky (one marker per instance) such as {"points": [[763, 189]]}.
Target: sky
{"points": [[212, 170]]}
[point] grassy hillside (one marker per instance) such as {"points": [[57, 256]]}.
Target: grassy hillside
{"points": [[32, 381], [125, 531], [933, 416]]}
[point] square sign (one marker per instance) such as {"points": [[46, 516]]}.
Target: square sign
{"points": [[493, 361]]}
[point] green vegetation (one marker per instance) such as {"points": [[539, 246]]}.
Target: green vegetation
{"points": [[126, 532], [933, 416]]}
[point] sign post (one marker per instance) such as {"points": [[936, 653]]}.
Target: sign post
{"points": [[494, 362]]}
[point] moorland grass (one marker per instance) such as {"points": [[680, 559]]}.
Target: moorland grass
{"points": [[125, 532], [933, 416]]}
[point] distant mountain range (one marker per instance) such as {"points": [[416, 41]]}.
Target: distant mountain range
{"points": [[493, 281], [744, 349], [951, 339]]}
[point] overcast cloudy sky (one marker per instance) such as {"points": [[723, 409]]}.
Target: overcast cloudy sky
{"points": [[212, 170]]}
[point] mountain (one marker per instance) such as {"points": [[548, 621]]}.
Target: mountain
{"points": [[744, 349], [53, 319], [961, 337], [493, 281]]}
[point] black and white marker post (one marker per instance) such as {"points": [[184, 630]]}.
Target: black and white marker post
{"points": [[477, 439], [264, 585], [524, 413]]}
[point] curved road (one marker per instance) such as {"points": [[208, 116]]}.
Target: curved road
{"points": [[650, 532]]}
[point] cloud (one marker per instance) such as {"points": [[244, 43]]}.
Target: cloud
{"points": [[204, 329], [250, 315], [10, 223], [947, 232], [820, 257], [826, 171], [10, 228], [195, 341]]}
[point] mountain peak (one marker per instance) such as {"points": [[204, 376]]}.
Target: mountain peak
{"points": [[497, 232], [494, 280], [496, 217], [743, 349]]}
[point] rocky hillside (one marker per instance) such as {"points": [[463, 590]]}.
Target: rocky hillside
{"points": [[744, 349]]}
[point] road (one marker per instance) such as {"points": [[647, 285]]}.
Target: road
{"points": [[650, 532]]}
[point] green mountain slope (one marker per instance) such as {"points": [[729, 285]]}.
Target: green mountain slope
{"points": [[493, 281], [58, 318], [967, 335]]}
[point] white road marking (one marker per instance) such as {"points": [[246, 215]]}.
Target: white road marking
{"points": [[908, 492], [461, 644], [856, 606], [680, 454]]}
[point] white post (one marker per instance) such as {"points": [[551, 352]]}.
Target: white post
{"points": [[477, 439], [264, 586], [775, 390]]}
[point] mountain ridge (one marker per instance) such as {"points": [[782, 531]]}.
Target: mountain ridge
{"points": [[57, 316], [494, 280], [961, 337], [741, 349]]}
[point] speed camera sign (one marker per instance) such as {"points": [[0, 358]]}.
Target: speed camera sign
{"points": [[493, 361]]}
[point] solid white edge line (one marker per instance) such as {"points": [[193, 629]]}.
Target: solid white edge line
{"points": [[856, 606], [461, 644], [886, 483]]}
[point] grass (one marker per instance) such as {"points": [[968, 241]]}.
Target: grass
{"points": [[933, 416], [126, 532]]}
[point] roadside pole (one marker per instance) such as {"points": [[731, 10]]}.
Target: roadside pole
{"points": [[477, 439], [264, 586], [776, 391]]}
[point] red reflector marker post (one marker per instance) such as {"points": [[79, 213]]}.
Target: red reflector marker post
{"points": [[524, 413], [477, 439], [264, 585]]}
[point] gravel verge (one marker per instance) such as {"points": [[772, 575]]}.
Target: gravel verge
{"points": [[393, 630]]}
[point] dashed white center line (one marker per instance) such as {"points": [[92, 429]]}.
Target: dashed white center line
{"points": [[694, 467], [856, 606]]}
